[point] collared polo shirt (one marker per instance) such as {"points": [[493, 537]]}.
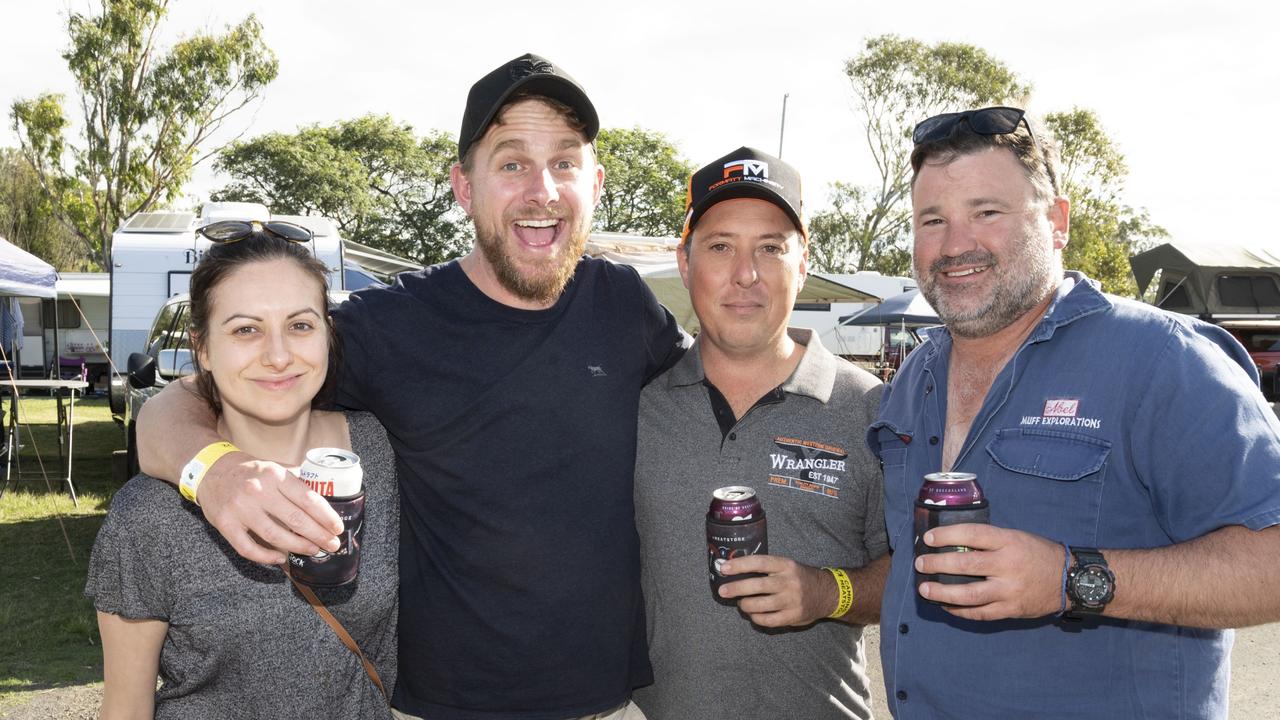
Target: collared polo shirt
{"points": [[803, 451], [1115, 425]]}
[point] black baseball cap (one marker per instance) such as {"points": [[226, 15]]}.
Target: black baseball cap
{"points": [[529, 72], [744, 173]]}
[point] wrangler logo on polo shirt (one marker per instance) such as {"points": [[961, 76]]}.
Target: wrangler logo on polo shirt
{"points": [[808, 466]]}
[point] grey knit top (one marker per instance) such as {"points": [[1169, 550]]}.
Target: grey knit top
{"points": [[242, 643]]}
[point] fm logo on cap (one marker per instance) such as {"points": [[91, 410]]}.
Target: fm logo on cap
{"points": [[759, 168]]}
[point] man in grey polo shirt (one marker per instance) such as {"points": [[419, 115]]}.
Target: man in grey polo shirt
{"points": [[755, 403]]}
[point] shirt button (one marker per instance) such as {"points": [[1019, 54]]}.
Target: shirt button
{"points": [[901, 694], [928, 388], [733, 436], [933, 440], [903, 628]]}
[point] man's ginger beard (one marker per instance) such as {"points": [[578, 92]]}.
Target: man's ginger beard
{"points": [[548, 278]]}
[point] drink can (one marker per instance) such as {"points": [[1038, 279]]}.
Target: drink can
{"points": [[735, 527], [948, 498], [337, 475]]}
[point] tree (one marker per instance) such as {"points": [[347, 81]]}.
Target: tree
{"points": [[27, 218], [383, 186], [645, 184], [897, 83], [841, 241], [1104, 231], [145, 113]]}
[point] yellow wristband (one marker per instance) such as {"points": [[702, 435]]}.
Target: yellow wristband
{"points": [[846, 591], [195, 470]]}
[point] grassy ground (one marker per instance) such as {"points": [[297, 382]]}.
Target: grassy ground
{"points": [[48, 631]]}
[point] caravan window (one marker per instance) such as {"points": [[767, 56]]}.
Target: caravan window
{"points": [[1248, 291], [68, 315]]}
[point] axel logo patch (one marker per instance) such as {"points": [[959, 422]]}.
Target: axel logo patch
{"points": [[1061, 408], [1062, 412]]}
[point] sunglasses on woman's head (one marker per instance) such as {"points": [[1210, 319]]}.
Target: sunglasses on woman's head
{"points": [[229, 231]]}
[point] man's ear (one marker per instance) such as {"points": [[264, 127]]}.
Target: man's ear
{"points": [[461, 187], [599, 188], [1060, 221], [682, 260]]}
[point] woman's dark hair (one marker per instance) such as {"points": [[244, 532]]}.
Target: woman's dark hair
{"points": [[221, 260]]}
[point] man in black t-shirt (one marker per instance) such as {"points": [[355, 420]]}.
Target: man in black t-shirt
{"points": [[509, 382]]}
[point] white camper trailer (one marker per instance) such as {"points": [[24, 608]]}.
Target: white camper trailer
{"points": [[153, 254]]}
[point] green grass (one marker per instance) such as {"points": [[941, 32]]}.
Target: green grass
{"points": [[48, 630]]}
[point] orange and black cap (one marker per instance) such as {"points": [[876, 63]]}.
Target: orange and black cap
{"points": [[533, 74], [744, 173]]}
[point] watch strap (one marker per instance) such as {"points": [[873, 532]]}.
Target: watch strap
{"points": [[1085, 557]]}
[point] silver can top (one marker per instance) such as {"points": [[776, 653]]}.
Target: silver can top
{"points": [[950, 477]]}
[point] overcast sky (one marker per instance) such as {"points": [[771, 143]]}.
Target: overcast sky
{"points": [[1189, 90]]}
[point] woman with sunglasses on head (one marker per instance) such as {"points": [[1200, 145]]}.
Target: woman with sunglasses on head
{"points": [[229, 638]]}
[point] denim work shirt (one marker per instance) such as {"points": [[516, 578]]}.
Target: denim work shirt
{"points": [[1115, 425]]}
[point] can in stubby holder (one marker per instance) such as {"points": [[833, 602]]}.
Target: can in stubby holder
{"points": [[948, 498], [735, 528], [337, 475]]}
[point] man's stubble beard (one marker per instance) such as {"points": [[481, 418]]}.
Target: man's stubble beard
{"points": [[545, 285], [1023, 280]]}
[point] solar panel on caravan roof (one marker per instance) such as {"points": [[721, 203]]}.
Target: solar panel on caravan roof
{"points": [[160, 222]]}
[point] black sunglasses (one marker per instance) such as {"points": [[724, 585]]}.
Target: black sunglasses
{"points": [[229, 231], [987, 121]]}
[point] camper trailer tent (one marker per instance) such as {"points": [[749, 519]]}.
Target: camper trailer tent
{"points": [[1214, 282], [1232, 286], [153, 255]]}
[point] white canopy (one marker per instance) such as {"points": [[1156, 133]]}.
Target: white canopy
{"points": [[24, 274]]}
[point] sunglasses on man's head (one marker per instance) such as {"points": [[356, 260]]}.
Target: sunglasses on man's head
{"points": [[987, 121], [229, 231]]}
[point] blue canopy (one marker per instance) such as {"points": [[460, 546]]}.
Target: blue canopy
{"points": [[909, 308]]}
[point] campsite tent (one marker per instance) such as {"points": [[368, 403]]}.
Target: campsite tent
{"points": [[1217, 282], [655, 260], [21, 275], [910, 309]]}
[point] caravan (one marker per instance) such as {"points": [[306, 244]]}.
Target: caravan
{"points": [[153, 254]]}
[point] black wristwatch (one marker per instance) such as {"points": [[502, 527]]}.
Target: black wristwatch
{"points": [[1090, 583]]}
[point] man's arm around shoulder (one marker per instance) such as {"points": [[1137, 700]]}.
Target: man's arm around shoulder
{"points": [[262, 509]]}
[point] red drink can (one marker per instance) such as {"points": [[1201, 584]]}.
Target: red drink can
{"points": [[735, 527], [337, 475], [948, 498]]}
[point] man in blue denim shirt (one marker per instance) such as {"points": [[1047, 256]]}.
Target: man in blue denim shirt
{"points": [[1091, 422]]}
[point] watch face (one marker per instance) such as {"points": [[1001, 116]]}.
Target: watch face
{"points": [[1092, 586]]}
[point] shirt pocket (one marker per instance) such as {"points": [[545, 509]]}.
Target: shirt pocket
{"points": [[897, 496], [1047, 482]]}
